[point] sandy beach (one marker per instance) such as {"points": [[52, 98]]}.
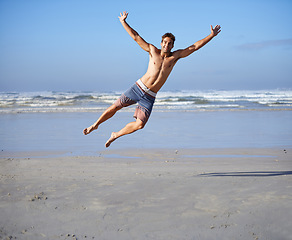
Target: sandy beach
{"points": [[147, 194], [188, 175]]}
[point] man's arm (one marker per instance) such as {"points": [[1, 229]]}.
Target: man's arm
{"points": [[196, 46], [142, 43]]}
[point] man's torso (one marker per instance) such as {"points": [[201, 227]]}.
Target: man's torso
{"points": [[159, 69]]}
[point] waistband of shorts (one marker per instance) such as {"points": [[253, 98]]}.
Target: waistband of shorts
{"points": [[145, 89]]}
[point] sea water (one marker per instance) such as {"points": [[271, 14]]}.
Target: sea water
{"points": [[54, 121], [15, 102]]}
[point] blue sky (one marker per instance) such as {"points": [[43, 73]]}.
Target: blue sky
{"points": [[70, 45]]}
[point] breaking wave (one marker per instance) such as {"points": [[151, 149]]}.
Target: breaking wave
{"points": [[17, 102]]}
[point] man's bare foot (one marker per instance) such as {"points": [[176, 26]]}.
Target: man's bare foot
{"points": [[89, 130], [111, 139]]}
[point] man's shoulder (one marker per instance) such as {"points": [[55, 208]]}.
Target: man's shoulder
{"points": [[152, 47], [153, 50], [177, 53]]}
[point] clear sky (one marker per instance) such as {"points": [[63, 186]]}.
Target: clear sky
{"points": [[70, 45]]}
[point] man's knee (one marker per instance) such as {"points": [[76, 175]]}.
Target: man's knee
{"points": [[114, 108], [139, 124]]}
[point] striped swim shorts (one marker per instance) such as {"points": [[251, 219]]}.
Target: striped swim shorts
{"points": [[140, 94]]}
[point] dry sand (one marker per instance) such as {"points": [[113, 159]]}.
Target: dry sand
{"points": [[147, 194]]}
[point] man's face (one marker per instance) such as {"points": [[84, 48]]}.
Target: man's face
{"points": [[166, 44]]}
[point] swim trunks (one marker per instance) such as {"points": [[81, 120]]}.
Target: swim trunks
{"points": [[140, 94]]}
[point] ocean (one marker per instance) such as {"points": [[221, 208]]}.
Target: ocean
{"points": [[54, 121], [32, 102]]}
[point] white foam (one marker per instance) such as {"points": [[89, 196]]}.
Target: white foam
{"points": [[184, 100]]}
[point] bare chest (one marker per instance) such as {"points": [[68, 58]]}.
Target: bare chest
{"points": [[160, 63]]}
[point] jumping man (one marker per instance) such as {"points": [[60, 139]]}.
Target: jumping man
{"points": [[143, 92]]}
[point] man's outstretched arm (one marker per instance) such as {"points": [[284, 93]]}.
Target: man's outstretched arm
{"points": [[196, 46], [142, 43]]}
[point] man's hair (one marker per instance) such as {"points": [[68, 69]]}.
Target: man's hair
{"points": [[170, 35]]}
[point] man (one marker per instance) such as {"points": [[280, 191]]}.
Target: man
{"points": [[143, 92]]}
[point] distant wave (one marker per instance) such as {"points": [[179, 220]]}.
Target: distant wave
{"points": [[18, 102]]}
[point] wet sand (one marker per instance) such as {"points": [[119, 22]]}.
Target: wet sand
{"points": [[236, 193]]}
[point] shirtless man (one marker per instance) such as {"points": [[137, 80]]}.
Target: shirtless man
{"points": [[143, 92]]}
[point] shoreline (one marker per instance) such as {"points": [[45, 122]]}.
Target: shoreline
{"points": [[156, 109], [235, 152], [232, 193]]}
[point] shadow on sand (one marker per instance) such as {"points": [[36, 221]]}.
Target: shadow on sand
{"points": [[247, 174]]}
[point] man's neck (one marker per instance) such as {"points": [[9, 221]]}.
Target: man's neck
{"points": [[165, 54]]}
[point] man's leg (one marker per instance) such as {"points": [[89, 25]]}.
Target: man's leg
{"points": [[129, 128], [107, 114]]}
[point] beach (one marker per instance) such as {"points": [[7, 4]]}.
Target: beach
{"points": [[148, 194], [207, 173]]}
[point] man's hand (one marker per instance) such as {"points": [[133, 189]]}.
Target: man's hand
{"points": [[216, 30], [123, 16]]}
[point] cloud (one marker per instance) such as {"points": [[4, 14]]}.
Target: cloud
{"points": [[265, 44]]}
